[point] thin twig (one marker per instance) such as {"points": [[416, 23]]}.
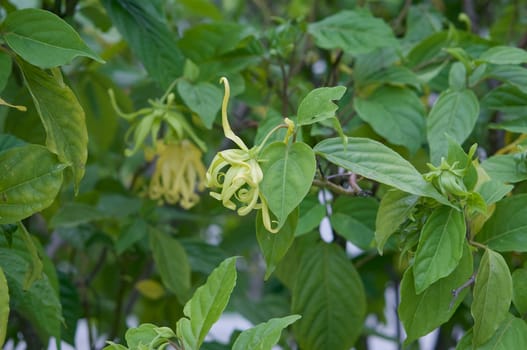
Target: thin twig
{"points": [[457, 291]]}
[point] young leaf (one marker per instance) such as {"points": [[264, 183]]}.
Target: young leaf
{"points": [[454, 113], [275, 245], [377, 162], [440, 246], [519, 290], [318, 105], [492, 296], [505, 230], [265, 335], [396, 114], [424, 312], [172, 263], [202, 98], [288, 173], [62, 116], [504, 55], [4, 306], [31, 178], [206, 305], [330, 295], [355, 32], [139, 337], [44, 39], [394, 209]]}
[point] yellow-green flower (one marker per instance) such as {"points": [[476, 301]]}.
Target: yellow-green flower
{"points": [[178, 174]]}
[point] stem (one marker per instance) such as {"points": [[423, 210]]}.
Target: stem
{"points": [[477, 244], [458, 290]]}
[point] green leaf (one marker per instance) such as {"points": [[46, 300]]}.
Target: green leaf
{"points": [[62, 116], [513, 75], [454, 113], [396, 114], [140, 336], [330, 296], [288, 173], [440, 246], [504, 55], [311, 214], [505, 168], [516, 125], [43, 39], [354, 219], [519, 290], [202, 8], [35, 268], [428, 56], [8, 141], [375, 161], [74, 214], [131, 234], [145, 30], [6, 64], [274, 246], [72, 309], [394, 209], [512, 334], [4, 306], [171, 263], [493, 191], [492, 296], [505, 230], [424, 312], [457, 77], [506, 98], [31, 179], [393, 75], [318, 105], [355, 32], [264, 335], [202, 98], [207, 304]]}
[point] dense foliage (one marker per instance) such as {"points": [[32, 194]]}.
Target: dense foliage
{"points": [[164, 161]]}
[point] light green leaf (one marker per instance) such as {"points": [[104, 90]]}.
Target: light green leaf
{"points": [[354, 219], [202, 8], [493, 191], [35, 268], [516, 125], [396, 114], [424, 312], [311, 214], [394, 209], [6, 64], [457, 77], [505, 168], [145, 30], [330, 296], [264, 335], [202, 98], [492, 296], [4, 306], [31, 179], [43, 39], [454, 113], [504, 55], [288, 173], [355, 32], [519, 290], [513, 75], [506, 229], [440, 246], [140, 336], [512, 334], [375, 161], [318, 105], [62, 116], [275, 245], [207, 304], [506, 98], [171, 263]]}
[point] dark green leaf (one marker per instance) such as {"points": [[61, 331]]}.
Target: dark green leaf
{"points": [[396, 114], [263, 336], [519, 290], [311, 214], [5, 69], [492, 296], [202, 98], [330, 295], [31, 179], [318, 105], [131, 234], [4, 306], [393, 75], [74, 214], [43, 39]]}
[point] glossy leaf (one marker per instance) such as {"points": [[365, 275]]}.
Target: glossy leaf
{"points": [[504, 55], [424, 312], [454, 113], [440, 247], [506, 229], [492, 296], [318, 105], [62, 116], [505, 168], [44, 39], [202, 98], [519, 290], [396, 114], [330, 295], [265, 335], [31, 179], [394, 209], [375, 161], [288, 173], [274, 246], [4, 306], [207, 304], [355, 32], [149, 37]]}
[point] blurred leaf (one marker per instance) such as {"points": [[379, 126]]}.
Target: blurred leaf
{"points": [[131, 234], [505, 168], [71, 308], [150, 288], [504, 55], [493, 191], [5, 69], [264, 335], [519, 290], [74, 214], [4, 306]]}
